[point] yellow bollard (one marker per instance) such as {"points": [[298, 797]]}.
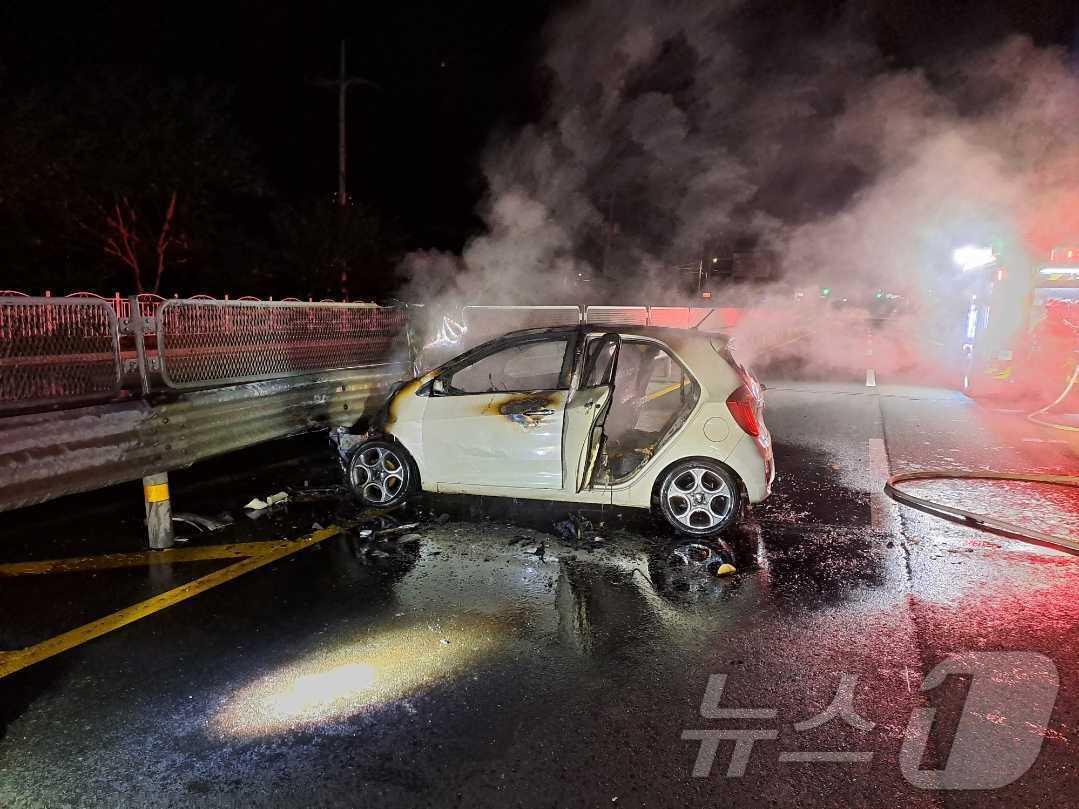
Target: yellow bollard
{"points": [[155, 495]]}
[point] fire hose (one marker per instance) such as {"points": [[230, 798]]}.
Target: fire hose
{"points": [[1036, 415], [983, 521]]}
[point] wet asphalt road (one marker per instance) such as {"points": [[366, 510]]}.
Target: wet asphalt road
{"points": [[486, 662]]}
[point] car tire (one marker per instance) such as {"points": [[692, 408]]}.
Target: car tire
{"points": [[382, 474], [699, 497]]}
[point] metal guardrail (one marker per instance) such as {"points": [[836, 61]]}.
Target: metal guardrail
{"points": [[48, 455], [706, 318], [631, 315], [57, 351], [205, 343], [491, 321]]}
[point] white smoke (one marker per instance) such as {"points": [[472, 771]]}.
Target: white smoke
{"points": [[675, 125]]}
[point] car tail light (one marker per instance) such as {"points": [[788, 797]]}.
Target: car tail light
{"points": [[746, 408]]}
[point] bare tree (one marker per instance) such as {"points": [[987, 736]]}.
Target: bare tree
{"points": [[120, 178], [141, 246]]}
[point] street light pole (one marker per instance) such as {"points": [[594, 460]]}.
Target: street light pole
{"points": [[342, 149], [343, 82]]}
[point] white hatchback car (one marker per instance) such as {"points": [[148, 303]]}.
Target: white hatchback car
{"points": [[654, 418]]}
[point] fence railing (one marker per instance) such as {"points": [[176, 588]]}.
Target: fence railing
{"points": [[148, 302], [57, 351], [206, 342]]}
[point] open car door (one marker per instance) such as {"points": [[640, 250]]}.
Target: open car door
{"points": [[586, 410]]}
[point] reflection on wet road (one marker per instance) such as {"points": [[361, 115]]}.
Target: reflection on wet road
{"points": [[481, 660]]}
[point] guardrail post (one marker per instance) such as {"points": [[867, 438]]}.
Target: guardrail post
{"points": [[137, 325], [155, 493]]}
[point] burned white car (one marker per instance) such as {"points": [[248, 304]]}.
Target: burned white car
{"points": [[653, 418]]}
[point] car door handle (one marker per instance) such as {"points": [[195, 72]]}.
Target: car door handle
{"points": [[542, 412]]}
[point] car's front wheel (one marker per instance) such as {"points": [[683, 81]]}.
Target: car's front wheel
{"points": [[699, 497], [382, 474]]}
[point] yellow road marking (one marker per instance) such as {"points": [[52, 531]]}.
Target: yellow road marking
{"points": [[11, 662], [663, 391], [110, 561]]}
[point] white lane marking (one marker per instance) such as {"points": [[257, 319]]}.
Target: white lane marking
{"points": [[1044, 441], [870, 378]]}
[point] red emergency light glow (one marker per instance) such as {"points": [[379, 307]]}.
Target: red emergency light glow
{"points": [[1064, 254]]}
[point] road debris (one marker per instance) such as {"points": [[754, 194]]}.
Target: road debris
{"points": [[396, 529], [202, 524], [574, 528], [255, 504], [318, 494]]}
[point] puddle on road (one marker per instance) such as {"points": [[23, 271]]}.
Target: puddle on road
{"points": [[487, 583], [810, 489]]}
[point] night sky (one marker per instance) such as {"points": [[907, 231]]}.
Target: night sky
{"points": [[451, 73]]}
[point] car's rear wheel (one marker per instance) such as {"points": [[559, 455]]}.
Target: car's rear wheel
{"points": [[382, 474], [699, 497]]}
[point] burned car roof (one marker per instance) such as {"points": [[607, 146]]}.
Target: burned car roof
{"points": [[675, 338]]}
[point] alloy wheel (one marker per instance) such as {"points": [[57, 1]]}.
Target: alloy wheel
{"points": [[699, 499], [378, 474]]}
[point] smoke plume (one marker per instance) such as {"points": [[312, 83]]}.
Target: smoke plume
{"points": [[675, 129]]}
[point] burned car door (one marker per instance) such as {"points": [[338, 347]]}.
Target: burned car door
{"points": [[586, 411], [497, 420]]}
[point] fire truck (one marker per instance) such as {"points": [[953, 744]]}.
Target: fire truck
{"points": [[1019, 328]]}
